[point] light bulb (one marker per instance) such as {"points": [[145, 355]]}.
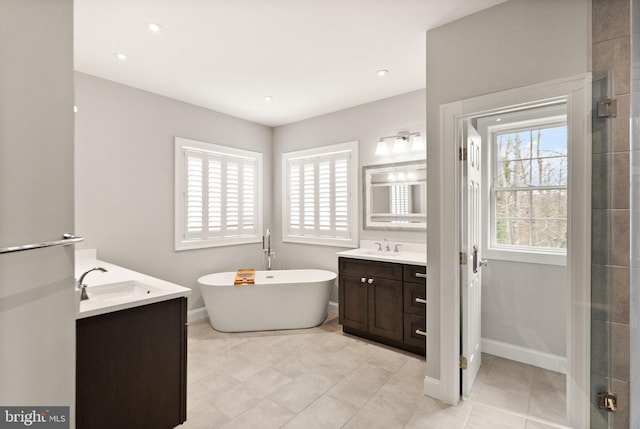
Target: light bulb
{"points": [[417, 144], [381, 148], [400, 145]]}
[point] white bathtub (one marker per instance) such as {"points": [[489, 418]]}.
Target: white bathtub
{"points": [[280, 299]]}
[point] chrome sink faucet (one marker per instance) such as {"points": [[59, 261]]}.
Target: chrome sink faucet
{"points": [[386, 246], [82, 286]]}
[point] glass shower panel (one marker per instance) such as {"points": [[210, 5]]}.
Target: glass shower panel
{"points": [[601, 374], [634, 236]]}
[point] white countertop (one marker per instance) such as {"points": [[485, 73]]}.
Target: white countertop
{"points": [[409, 253], [161, 290]]}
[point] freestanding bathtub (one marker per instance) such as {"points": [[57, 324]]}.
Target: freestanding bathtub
{"points": [[280, 299]]}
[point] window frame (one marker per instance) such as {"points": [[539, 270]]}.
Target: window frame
{"points": [[532, 117], [352, 205], [181, 239]]}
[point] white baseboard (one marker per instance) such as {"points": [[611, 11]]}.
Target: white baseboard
{"points": [[197, 314], [529, 356], [332, 307]]}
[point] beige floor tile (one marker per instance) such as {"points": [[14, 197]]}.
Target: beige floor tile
{"points": [[204, 416], [384, 410], [265, 415], [433, 414], [495, 397], [324, 413], [537, 425], [320, 378], [359, 386], [483, 417], [305, 389], [510, 376]]}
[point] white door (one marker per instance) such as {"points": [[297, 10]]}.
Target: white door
{"points": [[37, 300], [470, 287]]}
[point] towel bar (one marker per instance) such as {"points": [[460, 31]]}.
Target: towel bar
{"points": [[67, 239]]}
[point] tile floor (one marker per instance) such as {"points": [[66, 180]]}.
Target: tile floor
{"points": [[321, 378]]}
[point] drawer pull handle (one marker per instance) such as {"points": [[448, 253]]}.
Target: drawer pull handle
{"points": [[362, 280], [421, 301], [370, 281], [421, 275], [419, 332]]}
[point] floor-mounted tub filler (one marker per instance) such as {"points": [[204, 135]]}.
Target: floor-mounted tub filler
{"points": [[279, 299]]}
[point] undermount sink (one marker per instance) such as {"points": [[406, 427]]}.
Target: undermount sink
{"points": [[128, 290]]}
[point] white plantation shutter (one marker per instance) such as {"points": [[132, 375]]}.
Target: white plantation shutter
{"points": [[219, 199], [320, 192]]}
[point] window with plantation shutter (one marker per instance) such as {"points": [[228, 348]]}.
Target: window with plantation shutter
{"points": [[217, 195], [320, 190]]}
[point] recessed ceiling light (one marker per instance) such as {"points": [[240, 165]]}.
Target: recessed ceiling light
{"points": [[154, 27], [268, 99], [382, 73], [498, 119], [120, 56]]}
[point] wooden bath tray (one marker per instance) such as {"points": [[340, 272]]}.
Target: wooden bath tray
{"points": [[245, 276]]}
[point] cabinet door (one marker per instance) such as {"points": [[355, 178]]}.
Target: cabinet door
{"points": [[131, 368], [385, 308], [353, 302]]}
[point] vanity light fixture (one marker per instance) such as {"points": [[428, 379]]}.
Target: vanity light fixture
{"points": [[403, 142], [381, 148], [154, 27]]}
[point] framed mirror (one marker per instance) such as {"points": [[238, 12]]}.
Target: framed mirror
{"points": [[395, 196]]}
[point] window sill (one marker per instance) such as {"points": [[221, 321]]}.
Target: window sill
{"points": [[202, 244], [526, 256]]}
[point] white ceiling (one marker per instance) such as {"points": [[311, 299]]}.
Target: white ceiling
{"points": [[312, 56]]}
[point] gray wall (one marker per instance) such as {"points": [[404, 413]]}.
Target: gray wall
{"points": [[517, 43], [526, 305], [125, 179], [367, 124]]}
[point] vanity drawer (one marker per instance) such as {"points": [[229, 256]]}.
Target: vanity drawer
{"points": [[414, 294], [413, 323], [371, 269], [415, 274]]}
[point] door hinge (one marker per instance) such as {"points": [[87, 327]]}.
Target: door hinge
{"points": [[463, 258], [462, 154], [607, 108], [463, 362], [608, 401]]}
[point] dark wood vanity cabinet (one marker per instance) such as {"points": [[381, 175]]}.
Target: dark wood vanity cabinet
{"points": [[131, 367], [374, 304]]}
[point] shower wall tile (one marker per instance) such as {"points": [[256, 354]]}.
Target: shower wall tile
{"points": [[614, 54], [621, 417], [610, 181], [620, 125], [600, 342], [621, 351], [619, 238], [600, 237], [608, 19], [620, 280], [600, 287]]}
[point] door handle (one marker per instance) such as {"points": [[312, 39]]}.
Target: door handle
{"points": [[419, 332], [421, 275], [477, 262], [421, 301]]}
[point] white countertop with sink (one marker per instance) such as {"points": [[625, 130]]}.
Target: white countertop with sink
{"points": [[119, 288], [408, 253]]}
